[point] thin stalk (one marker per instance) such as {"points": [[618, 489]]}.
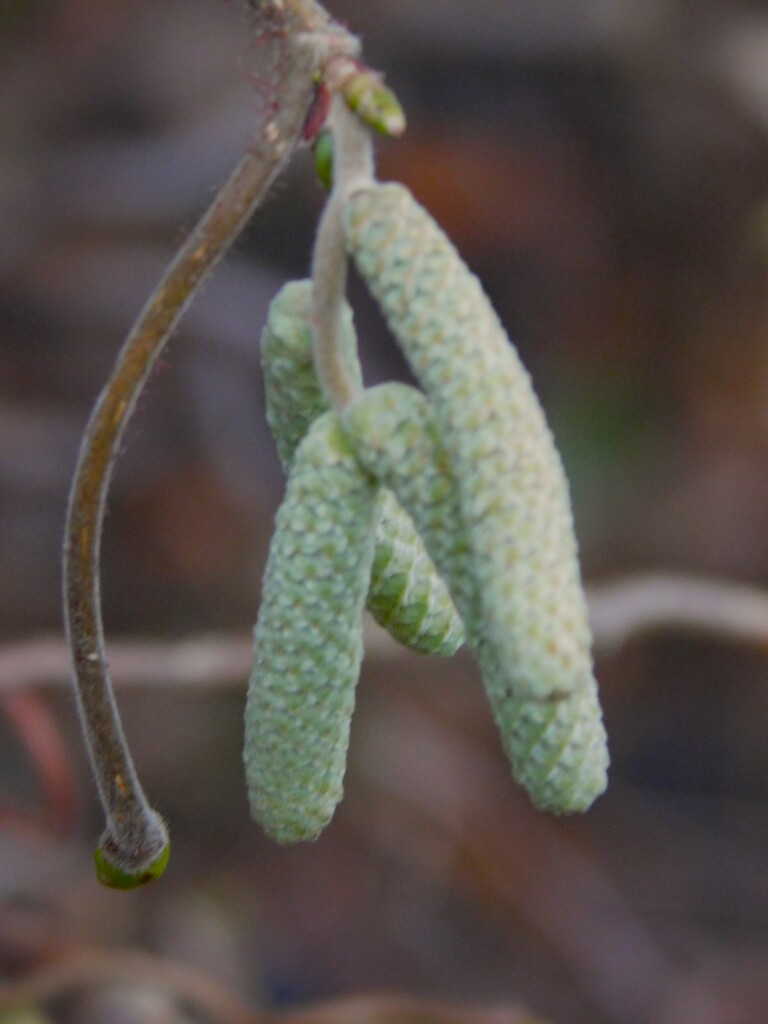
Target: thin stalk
{"points": [[134, 846], [352, 167]]}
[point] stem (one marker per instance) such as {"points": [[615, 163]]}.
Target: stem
{"points": [[135, 842], [329, 285], [352, 167]]}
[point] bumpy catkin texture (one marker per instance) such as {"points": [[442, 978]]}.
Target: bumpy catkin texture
{"points": [[293, 393], [308, 643], [557, 747], [514, 495], [406, 595]]}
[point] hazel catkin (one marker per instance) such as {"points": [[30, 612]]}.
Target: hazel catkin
{"points": [[308, 638], [557, 747], [513, 492], [406, 596]]}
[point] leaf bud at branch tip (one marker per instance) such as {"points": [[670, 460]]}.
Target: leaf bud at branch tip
{"points": [[374, 103], [114, 876], [366, 95]]}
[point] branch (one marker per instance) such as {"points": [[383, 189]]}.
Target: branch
{"points": [[666, 602], [134, 847], [626, 609], [199, 664]]}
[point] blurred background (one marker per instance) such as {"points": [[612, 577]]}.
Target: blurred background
{"points": [[603, 166]]}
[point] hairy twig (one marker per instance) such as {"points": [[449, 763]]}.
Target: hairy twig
{"points": [[135, 843]]}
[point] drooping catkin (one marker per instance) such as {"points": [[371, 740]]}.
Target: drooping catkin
{"points": [[294, 398], [557, 747], [406, 596], [513, 492], [308, 641]]}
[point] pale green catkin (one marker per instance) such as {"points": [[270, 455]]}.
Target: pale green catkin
{"points": [[293, 395], [513, 491], [406, 596], [308, 642], [557, 747]]}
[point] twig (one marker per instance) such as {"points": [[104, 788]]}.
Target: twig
{"points": [[667, 602], [200, 664], [135, 844], [619, 611]]}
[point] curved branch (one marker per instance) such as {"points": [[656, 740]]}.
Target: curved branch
{"points": [[620, 611], [670, 602], [198, 664], [134, 846]]}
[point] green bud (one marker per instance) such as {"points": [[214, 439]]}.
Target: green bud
{"points": [[322, 150], [374, 103], [114, 877]]}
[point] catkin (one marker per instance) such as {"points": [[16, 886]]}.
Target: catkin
{"points": [[406, 595], [294, 398], [513, 492], [557, 747], [308, 640]]}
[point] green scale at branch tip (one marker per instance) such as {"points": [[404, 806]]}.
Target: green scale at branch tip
{"points": [[115, 877], [406, 596], [308, 640], [557, 747], [513, 492]]}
